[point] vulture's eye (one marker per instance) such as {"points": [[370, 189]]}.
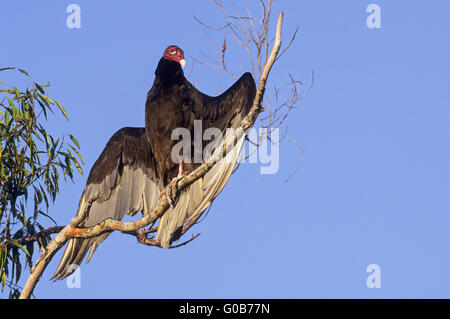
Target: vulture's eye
{"points": [[172, 52]]}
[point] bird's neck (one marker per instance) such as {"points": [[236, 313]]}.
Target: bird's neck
{"points": [[168, 72]]}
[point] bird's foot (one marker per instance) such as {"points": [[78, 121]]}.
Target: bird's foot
{"points": [[172, 188]]}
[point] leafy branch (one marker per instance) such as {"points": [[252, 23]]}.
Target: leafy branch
{"points": [[32, 162]]}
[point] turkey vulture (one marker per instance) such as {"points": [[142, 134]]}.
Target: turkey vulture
{"points": [[136, 163]]}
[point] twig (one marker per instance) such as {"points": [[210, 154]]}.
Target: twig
{"points": [[143, 239], [302, 157]]}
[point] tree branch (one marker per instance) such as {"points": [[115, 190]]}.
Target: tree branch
{"points": [[36, 237]]}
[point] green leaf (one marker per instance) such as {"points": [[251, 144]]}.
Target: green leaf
{"points": [[77, 165], [18, 268], [3, 274], [63, 110], [74, 140], [47, 141], [46, 98], [24, 72], [30, 249], [6, 118], [15, 112], [39, 88], [48, 216], [17, 92], [10, 102], [26, 111], [38, 194], [16, 243], [78, 153]]}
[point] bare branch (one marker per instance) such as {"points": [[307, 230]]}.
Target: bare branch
{"points": [[143, 239], [289, 44]]}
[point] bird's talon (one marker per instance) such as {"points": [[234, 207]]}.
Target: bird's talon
{"points": [[171, 190]]}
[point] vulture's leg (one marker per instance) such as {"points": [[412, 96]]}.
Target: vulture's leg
{"points": [[172, 187], [180, 169]]}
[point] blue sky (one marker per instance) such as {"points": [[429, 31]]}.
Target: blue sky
{"points": [[374, 184]]}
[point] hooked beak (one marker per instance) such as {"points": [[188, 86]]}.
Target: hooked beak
{"points": [[183, 63]]}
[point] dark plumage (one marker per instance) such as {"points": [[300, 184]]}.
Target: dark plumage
{"points": [[136, 163], [174, 102]]}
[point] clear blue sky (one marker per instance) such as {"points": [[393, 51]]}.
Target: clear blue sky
{"points": [[374, 185]]}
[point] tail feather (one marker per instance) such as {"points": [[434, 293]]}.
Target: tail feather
{"points": [[134, 192], [74, 254]]}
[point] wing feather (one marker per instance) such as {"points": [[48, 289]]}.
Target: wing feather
{"points": [[224, 111], [197, 197], [128, 188]]}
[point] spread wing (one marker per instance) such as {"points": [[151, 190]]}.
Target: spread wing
{"points": [[122, 181], [194, 200], [229, 108], [225, 111]]}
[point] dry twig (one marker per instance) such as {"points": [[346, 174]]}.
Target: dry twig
{"points": [[252, 34]]}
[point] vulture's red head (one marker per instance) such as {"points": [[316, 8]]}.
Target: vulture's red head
{"points": [[174, 53]]}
